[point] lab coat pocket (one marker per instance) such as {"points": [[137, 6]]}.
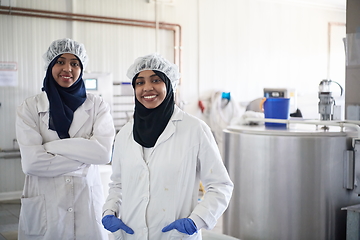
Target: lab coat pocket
{"points": [[119, 234], [33, 215], [176, 235]]}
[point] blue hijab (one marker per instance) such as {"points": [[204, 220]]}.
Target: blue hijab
{"points": [[63, 101]]}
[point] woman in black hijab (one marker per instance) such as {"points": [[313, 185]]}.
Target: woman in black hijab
{"points": [[160, 157]]}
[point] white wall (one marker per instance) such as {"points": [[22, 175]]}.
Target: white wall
{"points": [[238, 46], [248, 45]]}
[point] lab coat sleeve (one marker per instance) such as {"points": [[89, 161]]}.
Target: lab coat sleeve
{"points": [[216, 181], [35, 159], [114, 199], [95, 150]]}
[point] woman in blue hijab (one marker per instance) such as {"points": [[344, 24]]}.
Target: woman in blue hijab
{"points": [[63, 133]]}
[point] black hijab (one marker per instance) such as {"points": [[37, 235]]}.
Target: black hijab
{"points": [[150, 123], [63, 101]]}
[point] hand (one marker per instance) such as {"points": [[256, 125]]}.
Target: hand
{"points": [[184, 225], [113, 224]]}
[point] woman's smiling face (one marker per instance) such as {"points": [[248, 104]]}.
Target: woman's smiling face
{"points": [[66, 70], [150, 90]]}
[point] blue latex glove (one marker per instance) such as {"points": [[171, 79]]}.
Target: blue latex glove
{"points": [[113, 224], [184, 225]]}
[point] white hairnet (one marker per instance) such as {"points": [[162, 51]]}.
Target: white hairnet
{"points": [[65, 45], [155, 62]]}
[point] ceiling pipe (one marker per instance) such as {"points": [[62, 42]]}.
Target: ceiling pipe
{"points": [[176, 28]]}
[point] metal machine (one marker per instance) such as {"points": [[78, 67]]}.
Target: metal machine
{"points": [[291, 183], [328, 110], [101, 84]]}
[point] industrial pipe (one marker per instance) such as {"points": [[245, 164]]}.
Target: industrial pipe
{"points": [[27, 12]]}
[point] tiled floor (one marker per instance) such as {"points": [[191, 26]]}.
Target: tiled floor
{"points": [[9, 218]]}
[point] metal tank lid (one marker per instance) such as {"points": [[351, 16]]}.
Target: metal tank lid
{"points": [[294, 130]]}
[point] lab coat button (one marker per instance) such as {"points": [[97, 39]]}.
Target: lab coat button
{"points": [[70, 209], [145, 198], [68, 180]]}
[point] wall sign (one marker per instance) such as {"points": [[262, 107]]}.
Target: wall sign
{"points": [[8, 74]]}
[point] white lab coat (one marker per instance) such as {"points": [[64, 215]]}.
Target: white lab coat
{"points": [[149, 196], [63, 196]]}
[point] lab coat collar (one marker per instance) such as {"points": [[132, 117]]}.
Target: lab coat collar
{"points": [[43, 107], [43, 103], [81, 115], [177, 115], [171, 126]]}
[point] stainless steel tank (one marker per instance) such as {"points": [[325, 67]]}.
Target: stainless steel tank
{"points": [[288, 184]]}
